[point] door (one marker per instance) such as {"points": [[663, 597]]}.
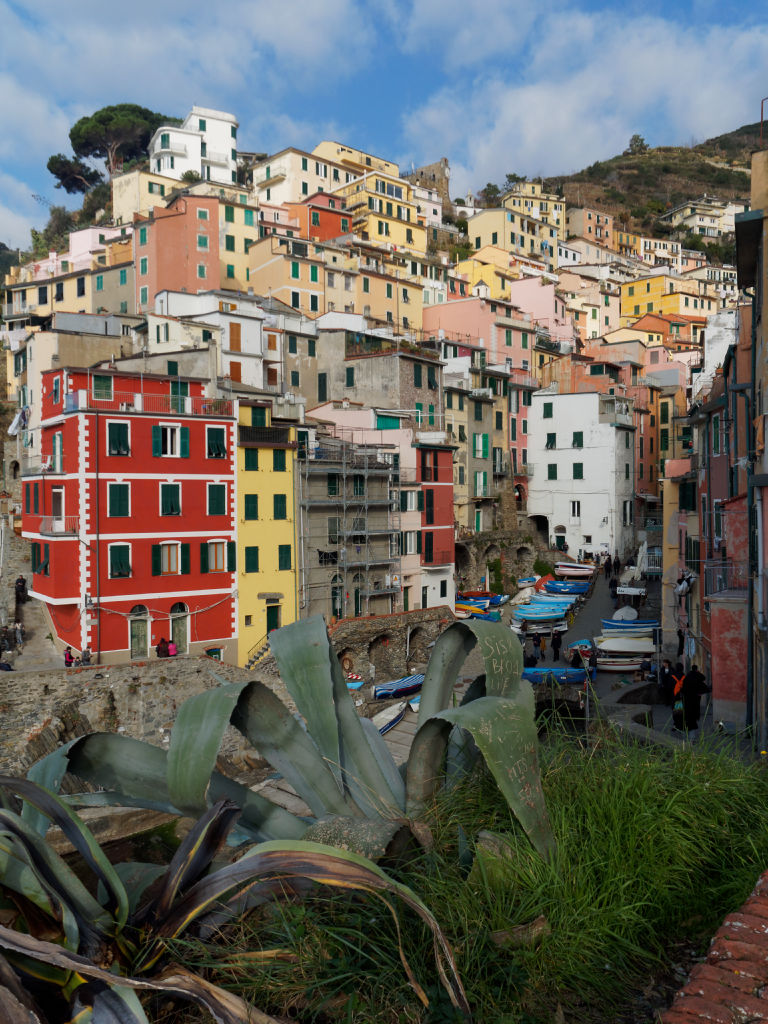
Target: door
{"points": [[179, 632], [424, 596], [179, 395], [57, 509], [273, 617], [406, 599], [560, 541], [358, 602], [138, 638], [478, 521]]}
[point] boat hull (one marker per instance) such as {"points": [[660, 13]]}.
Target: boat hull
{"points": [[561, 675], [399, 687]]}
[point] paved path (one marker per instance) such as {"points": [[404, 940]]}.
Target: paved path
{"points": [[39, 653]]}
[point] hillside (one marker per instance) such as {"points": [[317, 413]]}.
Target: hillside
{"points": [[638, 187]]}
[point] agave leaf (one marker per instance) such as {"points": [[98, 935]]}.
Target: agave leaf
{"points": [[280, 738], [79, 836], [48, 772], [448, 655], [225, 1007], [136, 878], [505, 731], [13, 1011], [374, 839], [195, 740], [271, 863], [114, 1005], [10, 984], [261, 820], [311, 672], [193, 857]]}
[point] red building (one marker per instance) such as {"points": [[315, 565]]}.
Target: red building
{"points": [[131, 514], [434, 473]]}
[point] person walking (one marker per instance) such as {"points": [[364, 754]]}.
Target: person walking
{"points": [[556, 642], [678, 706], [694, 685], [543, 647], [162, 648], [666, 685], [616, 565], [608, 567], [613, 587], [19, 630]]}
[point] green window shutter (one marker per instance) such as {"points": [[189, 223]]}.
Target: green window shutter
{"points": [[403, 501], [578, 439], [279, 506], [169, 500], [485, 446], [552, 471], [185, 559], [284, 556], [547, 414], [118, 499], [418, 542], [204, 556], [173, 368], [251, 559], [251, 458], [251, 506], [420, 501], [26, 497], [184, 446], [350, 377], [157, 441], [156, 563], [35, 498], [417, 375], [578, 471], [217, 496], [231, 556], [258, 416], [278, 460]]}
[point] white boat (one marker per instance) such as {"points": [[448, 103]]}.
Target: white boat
{"points": [[574, 570], [618, 664], [624, 645], [627, 612], [389, 717]]}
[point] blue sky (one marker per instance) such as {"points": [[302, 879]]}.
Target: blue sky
{"points": [[494, 85]]}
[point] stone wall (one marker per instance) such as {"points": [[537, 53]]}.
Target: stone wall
{"points": [[42, 710]]}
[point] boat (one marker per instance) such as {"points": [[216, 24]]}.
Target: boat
{"points": [[566, 587], [472, 602], [577, 570], [641, 627], [624, 645], [618, 664], [485, 596], [399, 687], [489, 616], [389, 717], [531, 613], [560, 675], [526, 581], [530, 628], [626, 612]]}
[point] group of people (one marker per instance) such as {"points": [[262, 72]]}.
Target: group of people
{"points": [[682, 691], [612, 566], [166, 648], [536, 650], [70, 659]]}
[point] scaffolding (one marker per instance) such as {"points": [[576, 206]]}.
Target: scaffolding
{"points": [[348, 527]]}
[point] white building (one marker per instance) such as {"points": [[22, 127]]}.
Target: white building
{"points": [[581, 459], [205, 143]]}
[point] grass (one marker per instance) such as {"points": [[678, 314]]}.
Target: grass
{"points": [[654, 847]]}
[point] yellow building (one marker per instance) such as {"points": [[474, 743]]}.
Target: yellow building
{"points": [[238, 231], [137, 192], [492, 266], [266, 528], [355, 160], [667, 294], [527, 197], [516, 233], [316, 278], [385, 213]]}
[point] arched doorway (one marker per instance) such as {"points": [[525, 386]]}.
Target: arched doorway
{"points": [[560, 538], [15, 469], [139, 631], [337, 597], [180, 627]]}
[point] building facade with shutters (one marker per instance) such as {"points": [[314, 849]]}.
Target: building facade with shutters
{"points": [[130, 511]]}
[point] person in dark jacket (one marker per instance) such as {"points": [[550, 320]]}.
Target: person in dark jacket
{"points": [[665, 682], [557, 641], [162, 648], [678, 706], [694, 685]]}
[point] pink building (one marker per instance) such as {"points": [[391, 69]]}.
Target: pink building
{"points": [[504, 332]]}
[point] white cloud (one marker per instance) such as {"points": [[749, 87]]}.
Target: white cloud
{"points": [[18, 212]]}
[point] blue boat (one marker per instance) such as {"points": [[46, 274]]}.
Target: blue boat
{"points": [[630, 626], [399, 687], [569, 676], [564, 587], [489, 616]]}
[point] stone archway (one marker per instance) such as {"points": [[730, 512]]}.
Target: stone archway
{"points": [[15, 469], [347, 660], [523, 553], [382, 656], [418, 649]]}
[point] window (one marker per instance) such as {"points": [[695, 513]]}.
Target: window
{"points": [[292, 346], [119, 561], [499, 421], [478, 412], [552, 471], [715, 435], [201, 271], [366, 284], [551, 441], [170, 439], [251, 458], [202, 241], [295, 300], [251, 507], [217, 556], [102, 388], [578, 471], [118, 500], [626, 471], [547, 413], [56, 393], [143, 296], [278, 460], [230, 270], [575, 510], [284, 556], [350, 377], [170, 499], [279, 507], [202, 214], [59, 296], [664, 412], [217, 499], [229, 214], [215, 442], [229, 243], [578, 439], [143, 233], [389, 291], [99, 285], [314, 304], [251, 559]]}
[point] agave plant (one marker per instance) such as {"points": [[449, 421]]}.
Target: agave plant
{"points": [[68, 952], [336, 761]]}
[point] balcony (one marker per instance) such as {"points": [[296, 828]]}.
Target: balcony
{"points": [[174, 147], [60, 526], [164, 405], [440, 558], [214, 157], [263, 435], [721, 577], [36, 465]]}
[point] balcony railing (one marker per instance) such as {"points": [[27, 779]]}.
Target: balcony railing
{"points": [[440, 557], [214, 157], [34, 465], [263, 435], [720, 576], [60, 526], [180, 405]]}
